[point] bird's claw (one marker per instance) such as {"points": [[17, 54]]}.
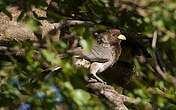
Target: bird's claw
{"points": [[92, 79], [95, 77], [105, 83]]}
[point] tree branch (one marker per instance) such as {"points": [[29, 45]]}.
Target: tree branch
{"points": [[113, 98]]}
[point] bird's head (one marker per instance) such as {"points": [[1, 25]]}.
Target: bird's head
{"points": [[115, 35], [112, 36]]}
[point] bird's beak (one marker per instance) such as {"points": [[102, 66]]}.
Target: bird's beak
{"points": [[121, 37]]}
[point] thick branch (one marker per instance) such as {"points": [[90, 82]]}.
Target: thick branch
{"points": [[113, 98]]}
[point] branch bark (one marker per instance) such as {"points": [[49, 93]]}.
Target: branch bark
{"points": [[113, 98]]}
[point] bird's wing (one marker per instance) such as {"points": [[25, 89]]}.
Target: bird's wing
{"points": [[98, 53], [120, 73]]}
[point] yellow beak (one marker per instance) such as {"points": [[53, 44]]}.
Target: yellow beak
{"points": [[121, 37]]}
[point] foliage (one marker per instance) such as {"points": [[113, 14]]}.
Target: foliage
{"points": [[24, 82]]}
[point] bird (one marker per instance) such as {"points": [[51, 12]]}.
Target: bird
{"points": [[104, 52], [124, 69]]}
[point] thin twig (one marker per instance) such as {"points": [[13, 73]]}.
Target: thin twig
{"points": [[154, 41], [167, 77]]}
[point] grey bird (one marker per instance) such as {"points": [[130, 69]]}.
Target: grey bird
{"points": [[104, 53]]}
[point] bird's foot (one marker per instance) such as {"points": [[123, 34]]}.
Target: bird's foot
{"points": [[92, 80], [98, 79]]}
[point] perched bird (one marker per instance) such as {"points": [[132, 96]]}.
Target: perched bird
{"points": [[123, 70], [104, 53]]}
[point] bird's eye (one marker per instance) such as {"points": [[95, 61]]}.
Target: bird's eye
{"points": [[114, 35]]}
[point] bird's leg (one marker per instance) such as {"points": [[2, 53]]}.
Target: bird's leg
{"points": [[94, 68], [98, 78]]}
